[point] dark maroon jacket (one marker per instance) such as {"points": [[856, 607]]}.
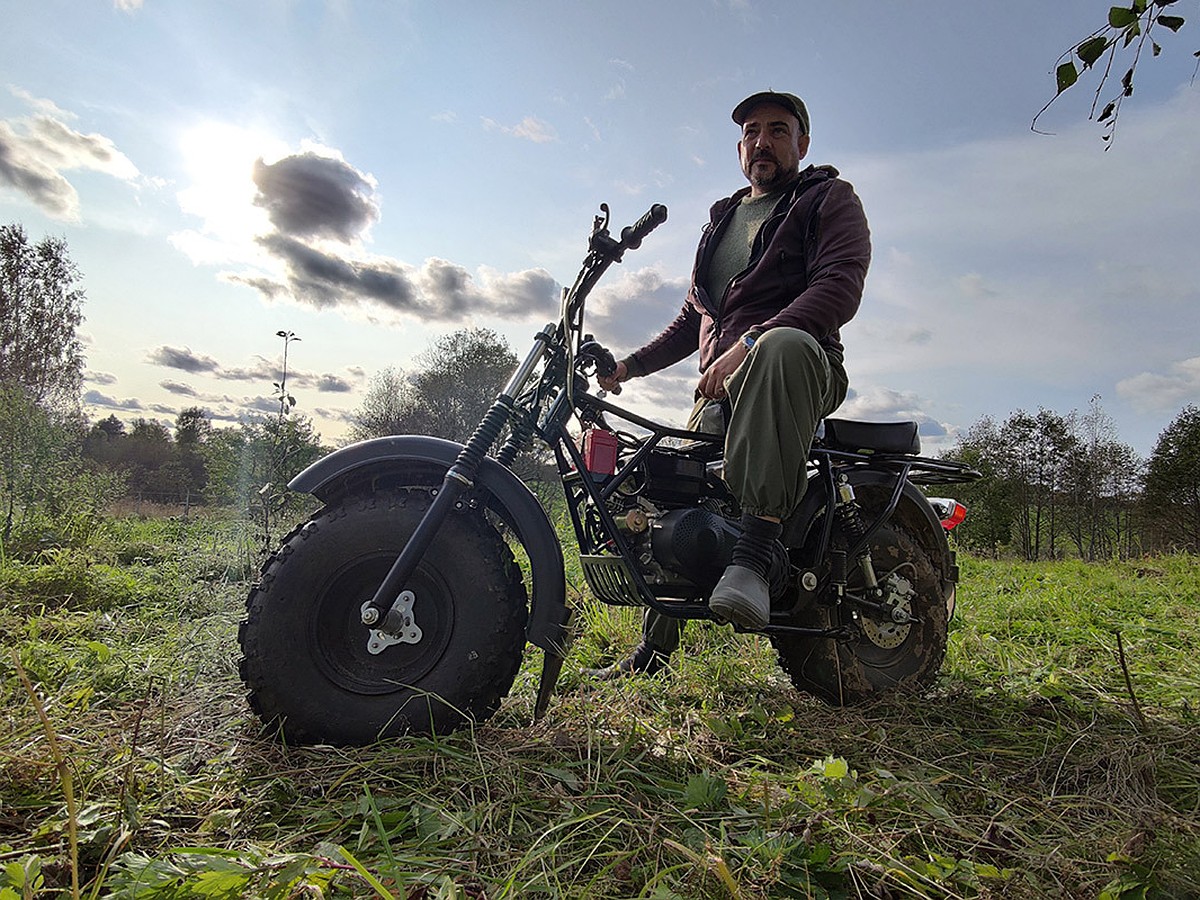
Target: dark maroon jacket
{"points": [[807, 269]]}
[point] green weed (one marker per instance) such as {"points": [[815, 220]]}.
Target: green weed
{"points": [[1044, 763]]}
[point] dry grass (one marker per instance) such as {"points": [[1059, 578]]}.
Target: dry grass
{"points": [[1025, 774]]}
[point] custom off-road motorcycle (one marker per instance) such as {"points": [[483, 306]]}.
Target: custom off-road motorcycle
{"points": [[400, 606]]}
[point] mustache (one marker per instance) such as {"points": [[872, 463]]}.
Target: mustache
{"points": [[764, 154]]}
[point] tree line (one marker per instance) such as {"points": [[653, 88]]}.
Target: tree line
{"points": [[1064, 485]]}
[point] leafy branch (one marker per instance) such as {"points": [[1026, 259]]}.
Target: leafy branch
{"points": [[1128, 31]]}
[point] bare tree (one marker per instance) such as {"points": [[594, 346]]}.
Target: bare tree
{"points": [[1102, 483]]}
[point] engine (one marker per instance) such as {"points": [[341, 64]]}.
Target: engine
{"points": [[681, 523], [674, 514]]}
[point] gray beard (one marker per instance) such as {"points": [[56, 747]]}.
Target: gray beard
{"points": [[779, 177]]}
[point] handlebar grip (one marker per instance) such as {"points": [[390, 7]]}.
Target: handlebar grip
{"points": [[632, 235]]}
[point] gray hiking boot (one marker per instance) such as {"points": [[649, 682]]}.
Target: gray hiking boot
{"points": [[742, 596]]}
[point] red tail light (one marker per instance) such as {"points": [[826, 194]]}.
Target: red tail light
{"points": [[949, 510]]}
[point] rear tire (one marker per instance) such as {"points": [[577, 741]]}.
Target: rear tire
{"points": [[309, 675], [881, 656]]}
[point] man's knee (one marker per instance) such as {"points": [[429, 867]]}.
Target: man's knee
{"points": [[794, 356], [789, 343]]}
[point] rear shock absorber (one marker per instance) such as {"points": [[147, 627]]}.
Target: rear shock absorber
{"points": [[849, 515]]}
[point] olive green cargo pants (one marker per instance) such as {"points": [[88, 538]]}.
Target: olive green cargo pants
{"points": [[778, 395]]}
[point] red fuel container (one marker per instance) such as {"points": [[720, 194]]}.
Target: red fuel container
{"points": [[600, 451]]}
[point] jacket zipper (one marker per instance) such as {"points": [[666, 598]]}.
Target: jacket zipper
{"points": [[760, 245]]}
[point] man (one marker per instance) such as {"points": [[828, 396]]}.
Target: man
{"points": [[780, 268]]}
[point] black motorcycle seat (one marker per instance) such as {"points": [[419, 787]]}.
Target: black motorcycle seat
{"points": [[706, 450], [871, 437]]}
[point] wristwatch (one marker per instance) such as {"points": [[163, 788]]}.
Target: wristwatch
{"points": [[750, 338]]}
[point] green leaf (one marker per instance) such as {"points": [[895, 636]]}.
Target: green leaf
{"points": [[1108, 111], [1154, 48], [1172, 22], [221, 884], [568, 778], [1066, 75], [704, 792], [832, 767], [1091, 50], [1131, 32], [1121, 17]]}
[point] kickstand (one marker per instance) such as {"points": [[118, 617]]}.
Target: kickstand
{"points": [[552, 665]]}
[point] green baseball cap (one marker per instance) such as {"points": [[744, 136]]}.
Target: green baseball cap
{"points": [[790, 102]]}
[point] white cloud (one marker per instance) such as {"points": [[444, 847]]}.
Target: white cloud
{"points": [[1157, 392], [529, 128], [36, 151]]}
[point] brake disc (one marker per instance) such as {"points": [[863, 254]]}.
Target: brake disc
{"points": [[885, 633]]}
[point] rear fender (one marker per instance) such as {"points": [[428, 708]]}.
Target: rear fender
{"points": [[419, 459]]}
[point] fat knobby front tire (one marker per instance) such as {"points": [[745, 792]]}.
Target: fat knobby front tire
{"points": [[306, 665], [879, 656]]}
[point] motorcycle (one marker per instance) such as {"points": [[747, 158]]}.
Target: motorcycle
{"points": [[400, 606]]}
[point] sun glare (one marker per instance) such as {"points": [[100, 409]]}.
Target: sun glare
{"points": [[218, 159]]}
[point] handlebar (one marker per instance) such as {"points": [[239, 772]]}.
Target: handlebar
{"points": [[603, 251], [632, 235], [601, 357]]}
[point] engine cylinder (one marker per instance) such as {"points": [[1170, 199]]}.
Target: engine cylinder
{"points": [[696, 543]]}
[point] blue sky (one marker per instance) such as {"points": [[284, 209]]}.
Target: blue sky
{"points": [[370, 175]]}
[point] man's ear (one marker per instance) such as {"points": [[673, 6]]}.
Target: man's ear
{"points": [[803, 145]]}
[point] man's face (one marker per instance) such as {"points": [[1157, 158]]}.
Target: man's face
{"points": [[771, 147]]}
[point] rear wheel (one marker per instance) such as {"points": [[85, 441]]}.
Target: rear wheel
{"points": [[880, 654], [316, 674]]}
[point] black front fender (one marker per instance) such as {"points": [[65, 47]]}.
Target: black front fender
{"points": [[419, 459]]}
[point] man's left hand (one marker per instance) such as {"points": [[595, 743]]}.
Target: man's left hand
{"points": [[712, 382]]}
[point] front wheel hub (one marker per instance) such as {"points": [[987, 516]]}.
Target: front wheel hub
{"points": [[409, 632]]}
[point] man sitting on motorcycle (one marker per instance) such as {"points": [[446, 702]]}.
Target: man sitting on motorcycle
{"points": [[779, 269]]}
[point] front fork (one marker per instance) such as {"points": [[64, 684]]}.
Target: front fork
{"points": [[389, 612]]}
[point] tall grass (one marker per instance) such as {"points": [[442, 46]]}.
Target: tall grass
{"points": [[1040, 765]]}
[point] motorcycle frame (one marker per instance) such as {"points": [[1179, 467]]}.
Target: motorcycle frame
{"points": [[545, 393], [898, 473]]}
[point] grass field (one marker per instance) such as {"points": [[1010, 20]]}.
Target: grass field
{"points": [[1058, 756]]}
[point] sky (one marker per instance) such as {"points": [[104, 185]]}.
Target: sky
{"points": [[369, 176]]}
